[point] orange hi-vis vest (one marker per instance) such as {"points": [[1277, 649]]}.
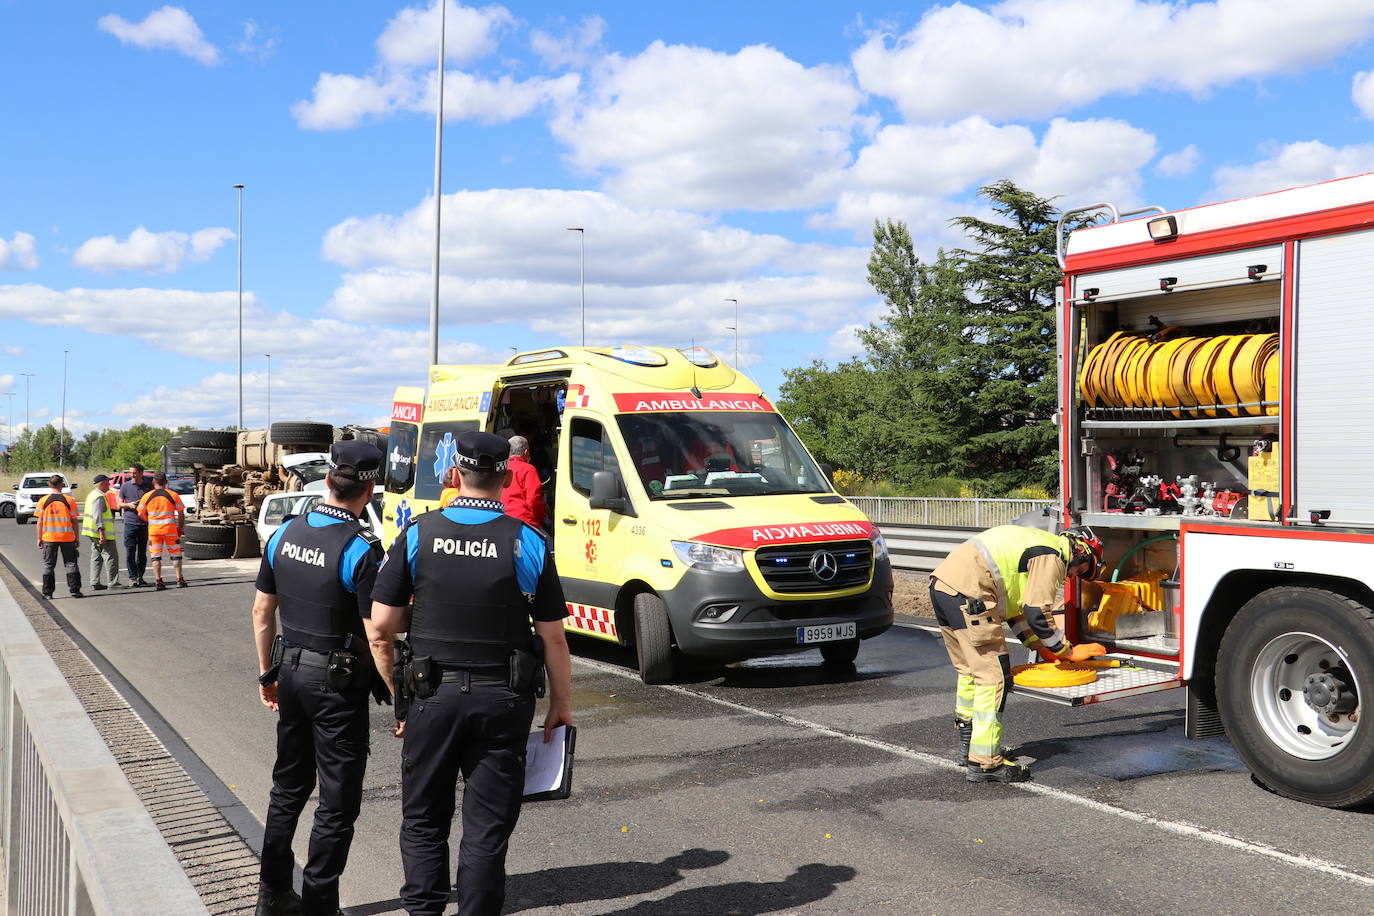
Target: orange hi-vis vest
{"points": [[159, 507], [58, 516]]}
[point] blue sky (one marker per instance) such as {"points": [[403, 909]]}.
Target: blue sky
{"points": [[715, 150]]}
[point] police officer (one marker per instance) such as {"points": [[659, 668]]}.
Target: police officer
{"points": [[477, 576], [1008, 574], [317, 572]]}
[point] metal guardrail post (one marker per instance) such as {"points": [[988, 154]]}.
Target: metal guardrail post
{"points": [[76, 839]]}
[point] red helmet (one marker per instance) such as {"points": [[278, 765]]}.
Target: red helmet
{"points": [[1086, 546]]}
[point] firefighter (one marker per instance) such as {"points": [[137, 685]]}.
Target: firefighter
{"points": [[165, 514], [1008, 574], [58, 515], [317, 573], [477, 576]]}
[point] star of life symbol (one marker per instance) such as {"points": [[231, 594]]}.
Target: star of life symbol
{"points": [[445, 454], [403, 514]]}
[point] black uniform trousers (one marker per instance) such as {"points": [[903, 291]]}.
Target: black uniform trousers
{"points": [[475, 725], [135, 549], [319, 730], [67, 549]]}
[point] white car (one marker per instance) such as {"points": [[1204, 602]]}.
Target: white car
{"points": [[6, 505], [279, 508], [185, 487], [30, 489]]}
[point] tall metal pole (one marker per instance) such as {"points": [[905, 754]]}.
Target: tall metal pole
{"points": [[438, 191], [582, 277], [736, 330], [62, 435], [269, 390], [239, 188], [28, 425]]}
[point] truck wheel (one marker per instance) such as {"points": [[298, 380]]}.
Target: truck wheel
{"points": [[210, 534], [653, 639], [1290, 673], [210, 457], [208, 438], [302, 433], [194, 550], [840, 654]]}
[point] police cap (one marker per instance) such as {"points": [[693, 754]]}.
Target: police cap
{"points": [[356, 459], [478, 451]]}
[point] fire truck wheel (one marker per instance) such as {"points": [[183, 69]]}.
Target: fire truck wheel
{"points": [[840, 654], [653, 639], [1290, 673]]}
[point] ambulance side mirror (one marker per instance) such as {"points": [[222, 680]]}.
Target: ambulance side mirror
{"points": [[829, 471], [607, 492]]}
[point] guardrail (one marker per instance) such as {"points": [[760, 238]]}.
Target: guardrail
{"points": [[920, 549], [74, 838], [942, 512]]}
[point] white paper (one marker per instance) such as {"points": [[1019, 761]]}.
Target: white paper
{"points": [[544, 762]]}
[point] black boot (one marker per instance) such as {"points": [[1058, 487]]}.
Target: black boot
{"points": [[965, 727], [1003, 772], [277, 903]]}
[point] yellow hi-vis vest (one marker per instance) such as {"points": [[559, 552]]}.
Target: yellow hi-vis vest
{"points": [[1002, 547], [97, 507]]}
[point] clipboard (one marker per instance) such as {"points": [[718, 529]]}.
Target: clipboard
{"points": [[548, 767]]}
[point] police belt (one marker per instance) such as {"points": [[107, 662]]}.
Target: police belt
{"points": [[477, 674], [299, 639], [308, 657]]}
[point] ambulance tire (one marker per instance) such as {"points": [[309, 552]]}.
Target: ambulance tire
{"points": [[210, 534], [302, 434], [209, 457], [207, 438], [840, 654], [195, 550], [653, 639], [1279, 641]]}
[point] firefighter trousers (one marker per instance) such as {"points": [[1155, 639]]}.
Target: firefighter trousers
{"points": [[978, 650], [67, 549]]}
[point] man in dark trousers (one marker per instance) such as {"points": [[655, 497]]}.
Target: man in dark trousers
{"points": [[317, 574], [58, 516], [135, 528], [477, 577]]}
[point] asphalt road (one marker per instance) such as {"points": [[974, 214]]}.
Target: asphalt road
{"points": [[778, 786]]}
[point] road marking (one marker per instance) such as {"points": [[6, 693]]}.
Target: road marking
{"points": [[1181, 828], [916, 626]]}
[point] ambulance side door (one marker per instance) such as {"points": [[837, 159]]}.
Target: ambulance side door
{"points": [[589, 544]]}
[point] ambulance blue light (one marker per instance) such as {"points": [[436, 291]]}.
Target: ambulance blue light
{"points": [[635, 356], [700, 356]]}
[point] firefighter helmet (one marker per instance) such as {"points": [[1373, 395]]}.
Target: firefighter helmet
{"points": [[1086, 546]]}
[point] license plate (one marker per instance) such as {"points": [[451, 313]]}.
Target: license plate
{"points": [[830, 632]]}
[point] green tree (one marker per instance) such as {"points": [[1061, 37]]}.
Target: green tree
{"points": [[38, 449], [140, 444]]}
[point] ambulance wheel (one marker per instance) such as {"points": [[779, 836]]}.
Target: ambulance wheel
{"points": [[210, 534], [1291, 670], [302, 433], [840, 654], [210, 457], [206, 438], [194, 550], [653, 639]]}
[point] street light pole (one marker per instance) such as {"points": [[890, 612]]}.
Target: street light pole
{"points": [[438, 191], [269, 390], [239, 188], [28, 425], [62, 436], [582, 276], [736, 330]]}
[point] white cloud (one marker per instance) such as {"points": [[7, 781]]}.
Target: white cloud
{"points": [[1289, 166], [1362, 92], [12, 349], [154, 252], [933, 159], [575, 48], [690, 127], [169, 27], [255, 44], [19, 253], [411, 38], [1183, 162], [1087, 161], [1026, 59]]}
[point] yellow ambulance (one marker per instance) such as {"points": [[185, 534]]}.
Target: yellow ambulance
{"points": [[685, 514]]}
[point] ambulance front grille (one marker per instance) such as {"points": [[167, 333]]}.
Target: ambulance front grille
{"points": [[793, 569]]}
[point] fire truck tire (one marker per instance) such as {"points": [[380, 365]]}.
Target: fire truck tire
{"points": [[209, 457], [208, 438], [840, 654], [653, 639], [1291, 667], [195, 550], [302, 433], [210, 534]]}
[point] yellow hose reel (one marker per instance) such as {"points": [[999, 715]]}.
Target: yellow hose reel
{"points": [[1188, 376], [1061, 674]]}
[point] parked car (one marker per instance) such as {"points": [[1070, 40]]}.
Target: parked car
{"points": [[185, 487], [30, 489], [6, 505], [279, 508]]}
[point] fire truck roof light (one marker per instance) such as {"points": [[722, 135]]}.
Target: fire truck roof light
{"points": [[1162, 228]]}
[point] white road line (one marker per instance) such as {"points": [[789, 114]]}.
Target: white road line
{"points": [[916, 626], [1182, 828]]}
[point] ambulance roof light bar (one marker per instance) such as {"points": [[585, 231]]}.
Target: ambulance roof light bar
{"points": [[1117, 216]]}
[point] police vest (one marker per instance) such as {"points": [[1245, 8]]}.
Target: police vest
{"points": [[317, 612], [56, 511], [469, 609], [1004, 548], [97, 507]]}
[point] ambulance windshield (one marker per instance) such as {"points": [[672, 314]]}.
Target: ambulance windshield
{"points": [[718, 453]]}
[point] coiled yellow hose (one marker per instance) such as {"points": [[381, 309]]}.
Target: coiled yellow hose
{"points": [[1188, 376]]}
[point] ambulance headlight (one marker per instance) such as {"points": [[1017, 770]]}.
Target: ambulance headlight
{"points": [[879, 547], [705, 556]]}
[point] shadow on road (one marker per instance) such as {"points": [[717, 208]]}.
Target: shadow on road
{"points": [[554, 887], [807, 884]]}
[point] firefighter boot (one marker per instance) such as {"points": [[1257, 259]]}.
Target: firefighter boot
{"points": [[965, 727], [1002, 772], [277, 903]]}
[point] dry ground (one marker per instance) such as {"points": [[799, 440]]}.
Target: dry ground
{"points": [[911, 595]]}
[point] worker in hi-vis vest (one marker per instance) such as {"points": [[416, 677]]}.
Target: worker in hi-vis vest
{"points": [[1009, 574], [58, 516]]}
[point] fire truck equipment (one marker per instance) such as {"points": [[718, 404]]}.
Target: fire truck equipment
{"points": [[1228, 375]]}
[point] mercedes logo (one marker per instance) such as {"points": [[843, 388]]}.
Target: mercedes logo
{"points": [[824, 566]]}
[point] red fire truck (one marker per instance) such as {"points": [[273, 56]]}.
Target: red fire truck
{"points": [[1216, 410]]}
